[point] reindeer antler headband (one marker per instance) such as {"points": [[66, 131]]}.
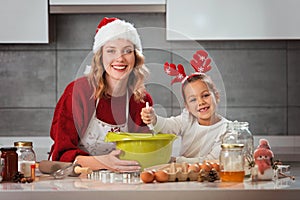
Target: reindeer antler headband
{"points": [[201, 64]]}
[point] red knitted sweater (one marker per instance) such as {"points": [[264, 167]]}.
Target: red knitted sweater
{"points": [[74, 111]]}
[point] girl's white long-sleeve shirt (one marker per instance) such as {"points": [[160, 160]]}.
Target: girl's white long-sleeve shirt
{"points": [[198, 142]]}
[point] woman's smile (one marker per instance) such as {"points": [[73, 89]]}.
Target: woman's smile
{"points": [[119, 67]]}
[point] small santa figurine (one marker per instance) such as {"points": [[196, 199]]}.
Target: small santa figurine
{"points": [[263, 158]]}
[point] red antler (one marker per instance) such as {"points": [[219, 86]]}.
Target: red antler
{"points": [[171, 70], [201, 62]]}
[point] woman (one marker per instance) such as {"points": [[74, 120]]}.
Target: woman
{"points": [[109, 98]]}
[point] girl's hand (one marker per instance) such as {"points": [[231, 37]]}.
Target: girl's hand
{"points": [[148, 116]]}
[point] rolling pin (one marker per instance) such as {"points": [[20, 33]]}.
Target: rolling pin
{"points": [[49, 167]]}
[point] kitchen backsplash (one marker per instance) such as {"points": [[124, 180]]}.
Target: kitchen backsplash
{"points": [[260, 81]]}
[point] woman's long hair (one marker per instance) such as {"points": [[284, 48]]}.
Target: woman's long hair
{"points": [[136, 79]]}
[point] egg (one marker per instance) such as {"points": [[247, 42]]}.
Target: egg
{"points": [[194, 167], [161, 176], [147, 176], [216, 166], [205, 166]]}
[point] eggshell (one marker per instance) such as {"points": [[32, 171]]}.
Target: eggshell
{"points": [[206, 166], [147, 176], [194, 168], [216, 166], [161, 176]]}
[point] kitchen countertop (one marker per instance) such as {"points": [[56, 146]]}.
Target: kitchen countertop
{"points": [[82, 187]]}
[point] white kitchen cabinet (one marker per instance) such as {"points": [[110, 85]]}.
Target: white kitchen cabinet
{"points": [[107, 6], [24, 21], [233, 19], [106, 2]]}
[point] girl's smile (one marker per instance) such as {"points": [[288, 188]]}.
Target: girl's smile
{"points": [[203, 109]]}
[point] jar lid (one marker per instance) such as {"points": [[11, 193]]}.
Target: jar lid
{"points": [[8, 149], [23, 144], [232, 146]]}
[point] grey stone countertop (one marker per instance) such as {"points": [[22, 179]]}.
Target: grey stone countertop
{"points": [[84, 187]]}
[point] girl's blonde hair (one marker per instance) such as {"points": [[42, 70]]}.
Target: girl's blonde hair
{"points": [[136, 79]]}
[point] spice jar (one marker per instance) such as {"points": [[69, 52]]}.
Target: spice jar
{"points": [[232, 163], [239, 133], [10, 166], [26, 157]]}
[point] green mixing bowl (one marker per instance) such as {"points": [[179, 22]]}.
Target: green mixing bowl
{"points": [[145, 148]]}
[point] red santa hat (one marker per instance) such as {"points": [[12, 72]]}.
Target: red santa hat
{"points": [[263, 143], [114, 28], [263, 149]]}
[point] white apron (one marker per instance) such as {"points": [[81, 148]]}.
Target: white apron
{"points": [[93, 139]]}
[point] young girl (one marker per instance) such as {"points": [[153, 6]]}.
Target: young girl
{"points": [[199, 125]]}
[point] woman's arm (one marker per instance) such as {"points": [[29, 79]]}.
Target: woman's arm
{"points": [[109, 161], [63, 130]]}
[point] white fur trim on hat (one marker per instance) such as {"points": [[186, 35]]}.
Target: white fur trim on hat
{"points": [[117, 29]]}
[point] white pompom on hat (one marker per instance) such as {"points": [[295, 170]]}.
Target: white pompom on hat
{"points": [[114, 28]]}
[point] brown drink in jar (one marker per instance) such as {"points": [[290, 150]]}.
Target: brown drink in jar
{"points": [[10, 158]]}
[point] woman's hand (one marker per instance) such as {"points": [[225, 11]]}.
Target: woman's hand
{"points": [[110, 161], [115, 164], [148, 116]]}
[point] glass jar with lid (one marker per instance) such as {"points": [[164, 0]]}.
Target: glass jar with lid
{"points": [[232, 163], [239, 133], [9, 159], [26, 157]]}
